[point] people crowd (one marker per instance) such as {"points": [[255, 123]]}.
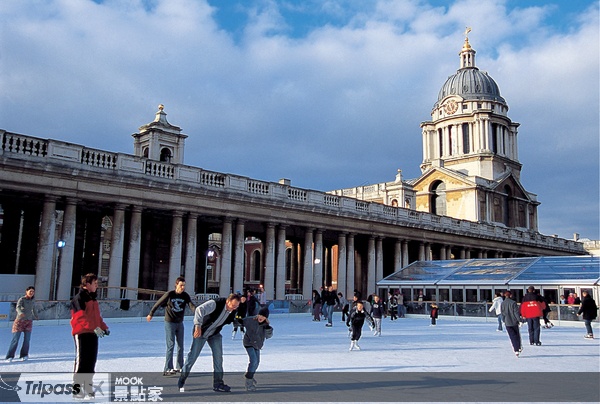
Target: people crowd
{"points": [[250, 315]]}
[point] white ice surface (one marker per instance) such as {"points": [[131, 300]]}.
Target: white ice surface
{"points": [[301, 345]]}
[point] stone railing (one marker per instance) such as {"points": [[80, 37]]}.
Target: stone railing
{"points": [[22, 146]]}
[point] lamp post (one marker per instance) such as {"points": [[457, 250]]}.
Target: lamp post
{"points": [[59, 246], [209, 254]]}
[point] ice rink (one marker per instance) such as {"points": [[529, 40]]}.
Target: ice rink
{"points": [[407, 348]]}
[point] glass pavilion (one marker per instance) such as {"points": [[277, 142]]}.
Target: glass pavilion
{"points": [[476, 280]]}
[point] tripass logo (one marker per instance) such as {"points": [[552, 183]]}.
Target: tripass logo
{"points": [[61, 387]]}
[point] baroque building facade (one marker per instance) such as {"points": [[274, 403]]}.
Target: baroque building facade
{"points": [[141, 220], [470, 168]]}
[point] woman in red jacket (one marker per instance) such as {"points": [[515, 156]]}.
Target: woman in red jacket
{"points": [[87, 326]]}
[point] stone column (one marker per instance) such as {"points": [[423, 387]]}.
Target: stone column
{"points": [[133, 262], [318, 260], [404, 253], [427, 252], [342, 257], [46, 246], [294, 267], [307, 286], [65, 261], [176, 244], [191, 244], [226, 253], [462, 253], [467, 253], [350, 267], [371, 265], [398, 255], [442, 252], [280, 264], [238, 256], [115, 264], [422, 251], [269, 277], [378, 263]]}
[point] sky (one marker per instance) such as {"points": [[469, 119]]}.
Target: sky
{"points": [[327, 93], [450, 356]]}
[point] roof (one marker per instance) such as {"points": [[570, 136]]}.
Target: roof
{"points": [[570, 270]]}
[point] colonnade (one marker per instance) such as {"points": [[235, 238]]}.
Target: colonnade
{"points": [[348, 268]]}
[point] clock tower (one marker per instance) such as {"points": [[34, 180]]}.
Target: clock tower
{"points": [[470, 168]]}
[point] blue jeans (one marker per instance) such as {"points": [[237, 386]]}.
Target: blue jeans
{"points": [[12, 348], [215, 342], [173, 332], [499, 322], [254, 357], [329, 309], [533, 326], [588, 326]]}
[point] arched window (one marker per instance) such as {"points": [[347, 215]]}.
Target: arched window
{"points": [[145, 152], [506, 217], [438, 198], [466, 137], [165, 155], [256, 265], [395, 202]]}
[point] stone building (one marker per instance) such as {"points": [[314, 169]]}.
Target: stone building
{"points": [[470, 167], [141, 220]]}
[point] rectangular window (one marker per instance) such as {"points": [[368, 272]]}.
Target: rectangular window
{"points": [[466, 138]]}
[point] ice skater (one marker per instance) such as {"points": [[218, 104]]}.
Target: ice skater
{"points": [[377, 313], [258, 329], [23, 324], [356, 322], [209, 319], [512, 321], [434, 313], [87, 327]]}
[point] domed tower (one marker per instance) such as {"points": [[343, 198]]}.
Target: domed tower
{"points": [[470, 168], [470, 131]]}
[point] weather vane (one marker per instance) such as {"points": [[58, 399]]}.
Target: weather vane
{"points": [[467, 32]]}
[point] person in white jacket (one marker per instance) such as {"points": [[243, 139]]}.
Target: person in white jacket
{"points": [[496, 303]]}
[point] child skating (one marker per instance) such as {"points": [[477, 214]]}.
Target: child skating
{"points": [[355, 322], [257, 330]]}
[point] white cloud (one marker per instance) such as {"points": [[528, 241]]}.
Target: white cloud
{"points": [[310, 108]]}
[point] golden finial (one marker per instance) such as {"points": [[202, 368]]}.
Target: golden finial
{"points": [[161, 107], [467, 33]]}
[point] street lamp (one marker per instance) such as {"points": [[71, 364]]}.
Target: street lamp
{"points": [[59, 246], [209, 254]]}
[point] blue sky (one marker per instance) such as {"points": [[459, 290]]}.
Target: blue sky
{"points": [[329, 94]]}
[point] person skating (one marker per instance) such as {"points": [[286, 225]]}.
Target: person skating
{"points": [[434, 313], [495, 307], [87, 327], [330, 300], [512, 321], [209, 319], [355, 322], [23, 324], [174, 302], [258, 329], [589, 312], [392, 306], [532, 308], [377, 313]]}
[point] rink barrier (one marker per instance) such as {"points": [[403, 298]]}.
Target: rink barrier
{"points": [[58, 312]]}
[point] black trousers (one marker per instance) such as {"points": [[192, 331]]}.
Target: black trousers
{"points": [[514, 333], [86, 354]]}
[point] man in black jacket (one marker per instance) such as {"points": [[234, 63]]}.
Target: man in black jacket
{"points": [[590, 312], [174, 302], [209, 318]]}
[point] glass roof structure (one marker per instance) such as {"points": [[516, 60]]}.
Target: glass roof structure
{"points": [[576, 270]]}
